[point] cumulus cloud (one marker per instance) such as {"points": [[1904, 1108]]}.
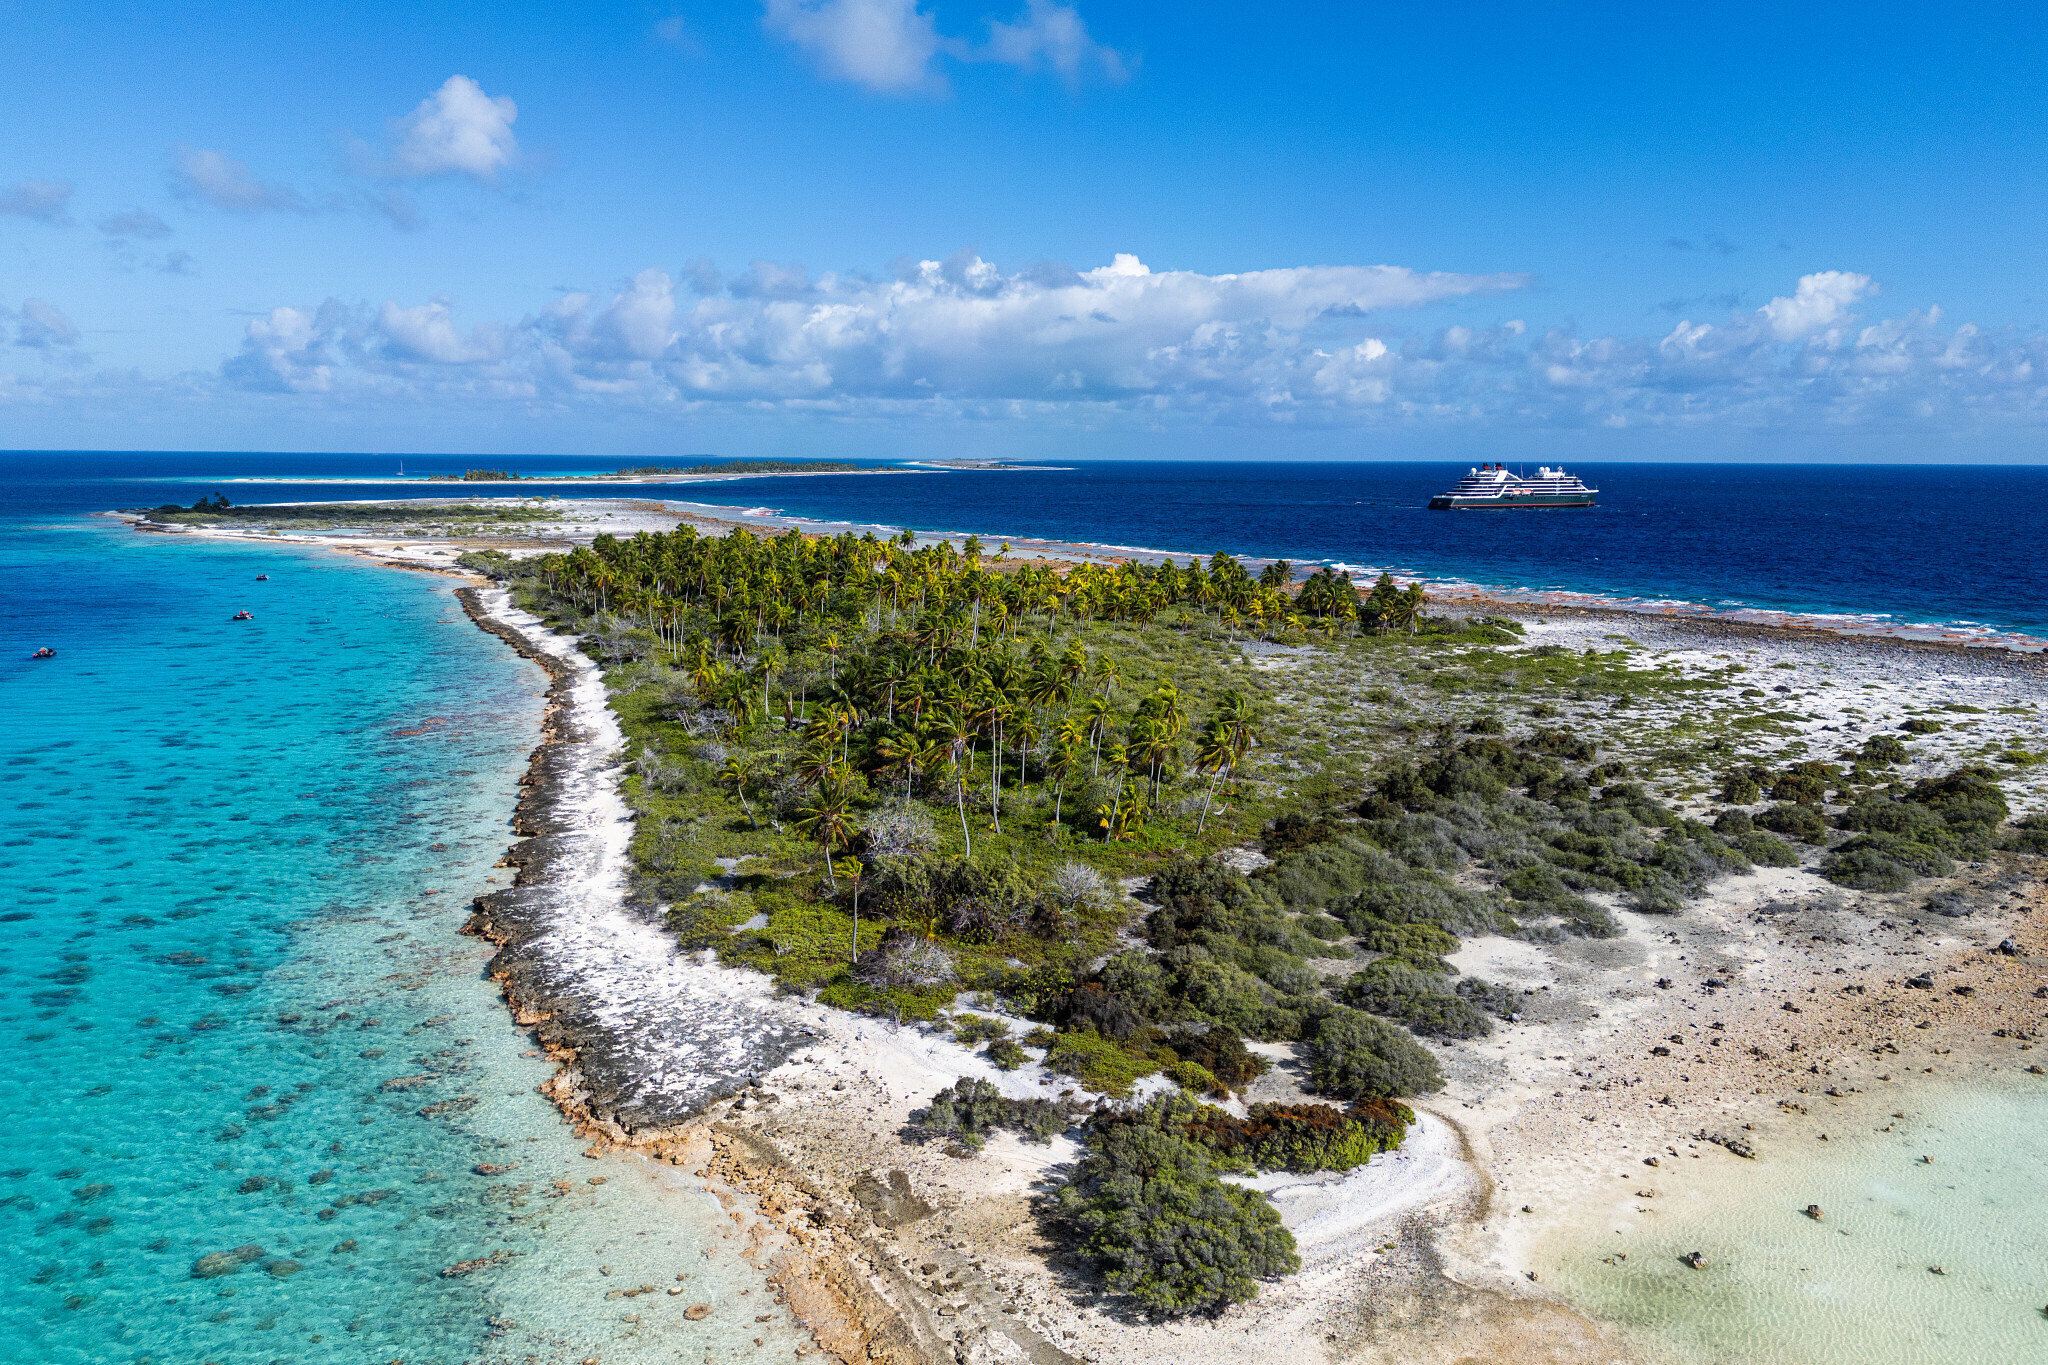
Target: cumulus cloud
{"points": [[1053, 35], [954, 330], [885, 45], [428, 333], [290, 350], [1819, 303], [1332, 346], [457, 130], [891, 45], [213, 177], [135, 223], [41, 326], [45, 201]]}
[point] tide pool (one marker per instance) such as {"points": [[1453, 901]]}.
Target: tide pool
{"points": [[260, 1095], [1858, 1286]]}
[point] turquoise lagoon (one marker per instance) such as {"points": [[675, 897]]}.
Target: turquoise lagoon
{"points": [[1914, 1262], [238, 858]]}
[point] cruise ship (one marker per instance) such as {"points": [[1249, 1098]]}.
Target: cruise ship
{"points": [[1491, 485]]}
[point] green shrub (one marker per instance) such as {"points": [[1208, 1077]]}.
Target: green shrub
{"points": [[1740, 790], [1800, 822], [1301, 1138], [1885, 749], [1097, 1062], [1884, 862], [1005, 1054], [1923, 727], [969, 1110], [978, 1028], [1968, 800], [1152, 1214], [1353, 1056], [1222, 1053], [1765, 851], [1420, 943], [1733, 824], [1393, 988], [2030, 835], [1805, 783]]}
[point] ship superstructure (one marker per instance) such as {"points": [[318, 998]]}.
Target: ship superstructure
{"points": [[1492, 486]]}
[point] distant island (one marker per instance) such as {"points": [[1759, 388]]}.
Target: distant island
{"points": [[651, 471]]}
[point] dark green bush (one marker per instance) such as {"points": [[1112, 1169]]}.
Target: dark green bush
{"points": [[1323, 927], [1353, 1056], [1923, 727], [1300, 1138], [1800, 822], [1744, 786], [970, 1110], [1885, 749], [1884, 862], [1561, 744], [2030, 835], [1765, 851], [1807, 782], [1968, 800], [1393, 988], [1005, 1054], [1152, 1214], [1222, 1053], [1733, 823]]}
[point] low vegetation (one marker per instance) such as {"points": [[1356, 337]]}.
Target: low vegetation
{"points": [[891, 777]]}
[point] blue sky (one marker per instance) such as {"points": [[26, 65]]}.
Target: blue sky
{"points": [[1028, 228]]}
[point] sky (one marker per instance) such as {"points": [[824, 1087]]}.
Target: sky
{"points": [[1027, 228]]}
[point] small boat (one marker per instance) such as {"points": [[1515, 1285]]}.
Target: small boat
{"points": [[263, 578], [44, 653], [243, 616]]}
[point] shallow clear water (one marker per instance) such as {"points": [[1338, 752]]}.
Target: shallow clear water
{"points": [[1855, 1288], [238, 856]]}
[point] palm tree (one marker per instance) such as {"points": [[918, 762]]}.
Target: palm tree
{"points": [[1096, 712], [825, 819], [957, 731], [737, 773], [851, 868]]}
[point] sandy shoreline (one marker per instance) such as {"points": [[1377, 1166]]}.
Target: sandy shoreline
{"points": [[1425, 1255]]}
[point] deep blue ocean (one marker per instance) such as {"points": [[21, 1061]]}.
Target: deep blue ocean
{"points": [[1917, 544]]}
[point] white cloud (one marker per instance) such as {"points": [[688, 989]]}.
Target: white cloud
{"points": [[956, 330], [457, 130], [1820, 302], [428, 333], [891, 45], [135, 223], [1310, 346], [42, 326], [215, 178], [43, 200], [289, 350], [1055, 35], [884, 45]]}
